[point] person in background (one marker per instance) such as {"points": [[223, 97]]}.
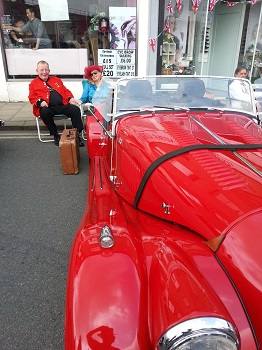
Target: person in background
{"points": [[95, 85], [36, 26], [49, 96], [238, 89], [171, 37], [259, 80], [258, 93], [259, 38], [17, 37]]}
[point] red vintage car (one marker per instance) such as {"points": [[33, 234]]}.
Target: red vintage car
{"points": [[168, 253]]}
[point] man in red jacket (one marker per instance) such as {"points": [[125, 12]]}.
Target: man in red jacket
{"points": [[49, 97]]}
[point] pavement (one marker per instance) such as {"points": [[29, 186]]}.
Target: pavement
{"points": [[17, 115]]}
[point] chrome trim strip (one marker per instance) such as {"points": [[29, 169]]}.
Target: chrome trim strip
{"points": [[93, 175], [100, 174]]}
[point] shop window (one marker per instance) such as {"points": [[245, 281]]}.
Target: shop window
{"points": [[92, 32], [178, 37], [192, 44], [253, 41]]}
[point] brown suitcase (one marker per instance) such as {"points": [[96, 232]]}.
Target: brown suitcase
{"points": [[69, 151]]}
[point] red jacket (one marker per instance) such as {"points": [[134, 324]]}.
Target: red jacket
{"points": [[38, 90]]}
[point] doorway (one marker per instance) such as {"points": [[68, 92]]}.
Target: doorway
{"points": [[226, 39]]}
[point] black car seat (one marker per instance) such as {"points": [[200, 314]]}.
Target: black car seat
{"points": [[138, 93], [192, 91]]}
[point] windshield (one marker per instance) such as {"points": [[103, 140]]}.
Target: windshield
{"points": [[118, 97], [258, 96], [184, 92]]}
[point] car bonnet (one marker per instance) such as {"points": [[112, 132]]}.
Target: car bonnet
{"points": [[174, 170]]}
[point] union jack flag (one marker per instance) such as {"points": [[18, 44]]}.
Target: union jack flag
{"points": [[212, 4], [196, 4], [167, 27], [179, 4], [170, 7]]}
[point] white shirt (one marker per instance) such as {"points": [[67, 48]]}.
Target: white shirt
{"points": [[239, 90]]}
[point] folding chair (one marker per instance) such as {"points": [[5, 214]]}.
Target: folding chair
{"points": [[84, 114], [84, 130], [56, 118]]}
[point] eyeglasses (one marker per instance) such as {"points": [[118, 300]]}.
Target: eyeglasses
{"points": [[93, 73]]}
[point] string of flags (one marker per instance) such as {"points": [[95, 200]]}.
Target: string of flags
{"points": [[195, 6], [212, 4], [170, 7]]}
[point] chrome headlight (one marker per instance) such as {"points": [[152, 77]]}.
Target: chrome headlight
{"points": [[204, 333]]}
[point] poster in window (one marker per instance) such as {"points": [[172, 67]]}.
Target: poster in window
{"points": [[119, 60], [122, 27]]}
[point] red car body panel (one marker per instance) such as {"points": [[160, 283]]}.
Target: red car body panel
{"points": [[245, 268], [139, 273], [211, 212], [167, 188]]}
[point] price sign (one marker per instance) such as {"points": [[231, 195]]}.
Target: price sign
{"points": [[125, 63], [117, 63], [107, 59]]}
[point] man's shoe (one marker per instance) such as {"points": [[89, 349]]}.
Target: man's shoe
{"points": [[81, 143], [57, 139]]}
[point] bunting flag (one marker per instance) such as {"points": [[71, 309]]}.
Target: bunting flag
{"points": [[196, 4], [167, 27], [231, 4], [170, 7], [179, 4], [152, 43], [212, 4]]}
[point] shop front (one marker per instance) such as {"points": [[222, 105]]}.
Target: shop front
{"points": [[127, 37], [210, 38], [80, 33]]}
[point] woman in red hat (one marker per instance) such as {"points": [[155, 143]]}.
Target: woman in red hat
{"points": [[95, 85]]}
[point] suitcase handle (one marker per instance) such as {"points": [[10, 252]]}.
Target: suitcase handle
{"points": [[70, 133]]}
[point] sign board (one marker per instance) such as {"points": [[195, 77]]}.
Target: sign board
{"points": [[117, 63]]}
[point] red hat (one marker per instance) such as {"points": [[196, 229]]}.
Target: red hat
{"points": [[88, 70]]}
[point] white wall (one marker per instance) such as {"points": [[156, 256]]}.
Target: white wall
{"points": [[152, 33], [142, 40], [61, 61], [18, 90], [3, 83]]}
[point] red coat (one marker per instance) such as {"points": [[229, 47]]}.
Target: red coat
{"points": [[38, 90]]}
